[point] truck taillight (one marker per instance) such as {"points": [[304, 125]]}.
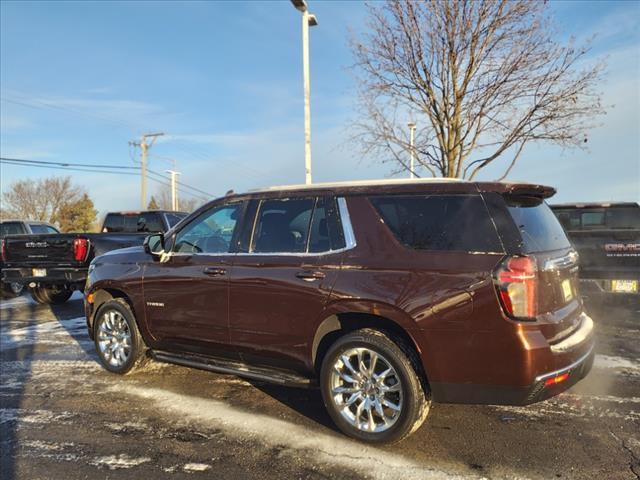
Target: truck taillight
{"points": [[4, 250], [80, 249], [516, 280]]}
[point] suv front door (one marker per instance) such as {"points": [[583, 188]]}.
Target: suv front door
{"points": [[186, 296]]}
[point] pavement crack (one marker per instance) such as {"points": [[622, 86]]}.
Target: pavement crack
{"points": [[634, 464]]}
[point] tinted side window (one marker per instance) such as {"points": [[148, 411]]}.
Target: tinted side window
{"points": [[319, 240], [113, 223], [211, 232], [439, 222], [283, 225], [11, 228]]}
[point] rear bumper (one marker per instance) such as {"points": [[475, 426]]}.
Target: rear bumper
{"points": [[55, 276], [503, 395], [547, 370]]}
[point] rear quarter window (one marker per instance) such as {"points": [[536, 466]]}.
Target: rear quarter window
{"points": [[439, 222]]}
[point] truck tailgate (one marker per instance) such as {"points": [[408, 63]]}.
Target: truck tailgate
{"points": [[40, 250]]}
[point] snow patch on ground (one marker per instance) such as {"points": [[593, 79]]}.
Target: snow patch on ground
{"points": [[196, 467], [328, 449], [606, 362], [117, 462], [55, 332]]}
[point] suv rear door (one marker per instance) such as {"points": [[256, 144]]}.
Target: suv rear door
{"points": [[280, 284]]}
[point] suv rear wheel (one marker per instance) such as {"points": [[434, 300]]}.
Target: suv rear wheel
{"points": [[117, 339], [371, 387]]}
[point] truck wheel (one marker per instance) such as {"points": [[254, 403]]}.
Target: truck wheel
{"points": [[117, 339], [12, 289], [51, 295], [371, 388]]}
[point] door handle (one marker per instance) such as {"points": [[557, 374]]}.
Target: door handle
{"points": [[214, 271], [310, 276]]}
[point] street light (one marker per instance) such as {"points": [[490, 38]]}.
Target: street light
{"points": [[308, 20], [412, 129]]}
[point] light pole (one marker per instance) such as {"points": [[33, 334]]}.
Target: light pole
{"points": [[308, 20], [412, 129], [174, 190]]}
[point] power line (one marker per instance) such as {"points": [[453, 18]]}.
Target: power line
{"points": [[101, 168]]}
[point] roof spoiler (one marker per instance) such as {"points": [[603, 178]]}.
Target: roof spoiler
{"points": [[530, 190]]}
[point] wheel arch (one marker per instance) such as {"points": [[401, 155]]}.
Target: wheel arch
{"points": [[103, 295], [340, 323]]}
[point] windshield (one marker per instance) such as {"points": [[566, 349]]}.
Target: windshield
{"points": [[540, 229]]}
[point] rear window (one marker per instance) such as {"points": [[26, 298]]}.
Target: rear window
{"points": [[128, 223], [540, 229], [40, 228], [439, 222], [11, 228], [611, 218]]}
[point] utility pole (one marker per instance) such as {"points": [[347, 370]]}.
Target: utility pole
{"points": [[144, 147], [174, 190], [412, 129], [308, 20]]}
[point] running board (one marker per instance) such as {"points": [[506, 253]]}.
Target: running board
{"points": [[218, 365]]}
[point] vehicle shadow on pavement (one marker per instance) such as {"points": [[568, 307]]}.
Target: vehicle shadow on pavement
{"points": [[306, 402], [71, 310], [16, 357]]}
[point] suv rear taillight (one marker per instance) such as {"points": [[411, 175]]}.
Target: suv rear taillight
{"points": [[3, 247], [516, 280], [80, 249]]}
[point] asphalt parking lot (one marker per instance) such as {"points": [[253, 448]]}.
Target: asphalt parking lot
{"points": [[62, 416]]}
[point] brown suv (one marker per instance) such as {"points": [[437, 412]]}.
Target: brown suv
{"points": [[388, 295]]}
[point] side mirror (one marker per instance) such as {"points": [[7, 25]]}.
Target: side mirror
{"points": [[154, 244]]}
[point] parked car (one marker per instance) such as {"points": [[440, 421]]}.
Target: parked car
{"points": [[20, 227], [52, 265], [387, 295], [607, 237]]}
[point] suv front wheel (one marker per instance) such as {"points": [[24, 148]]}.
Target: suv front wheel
{"points": [[371, 387], [117, 339]]}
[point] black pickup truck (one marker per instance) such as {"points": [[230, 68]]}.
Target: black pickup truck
{"points": [[53, 265], [607, 238]]}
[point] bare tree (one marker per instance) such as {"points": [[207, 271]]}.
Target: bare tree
{"points": [[480, 78], [41, 199], [163, 200]]}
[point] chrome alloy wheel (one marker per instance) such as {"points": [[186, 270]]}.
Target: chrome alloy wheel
{"points": [[114, 338], [366, 390]]}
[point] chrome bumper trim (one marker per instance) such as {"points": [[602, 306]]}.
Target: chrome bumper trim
{"points": [[560, 371]]}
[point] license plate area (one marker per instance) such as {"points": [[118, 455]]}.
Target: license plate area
{"points": [[39, 272], [624, 286], [567, 290]]}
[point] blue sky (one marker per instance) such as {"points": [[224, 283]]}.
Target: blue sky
{"points": [[79, 80]]}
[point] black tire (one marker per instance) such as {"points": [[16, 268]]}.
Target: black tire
{"points": [[398, 354], [12, 290], [137, 353], [51, 295]]}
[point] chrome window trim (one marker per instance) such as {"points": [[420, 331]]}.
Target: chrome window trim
{"points": [[347, 229]]}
